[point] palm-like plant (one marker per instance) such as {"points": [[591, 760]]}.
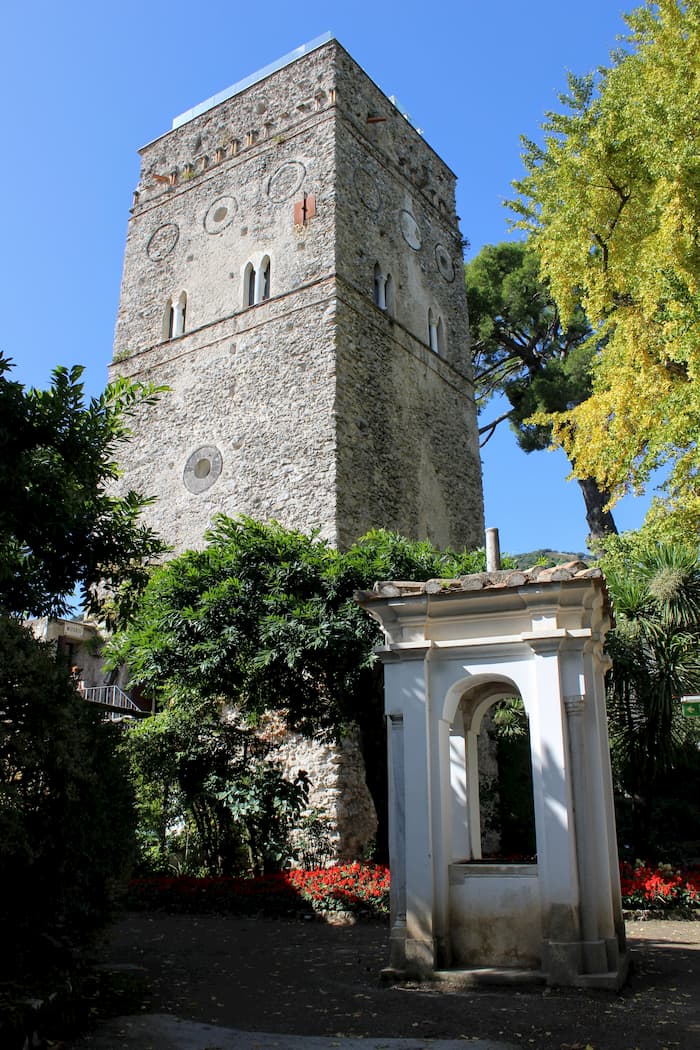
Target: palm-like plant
{"points": [[655, 649]]}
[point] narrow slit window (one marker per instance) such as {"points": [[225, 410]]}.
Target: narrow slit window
{"points": [[379, 288], [433, 332], [250, 285], [174, 317], [389, 294], [265, 280]]}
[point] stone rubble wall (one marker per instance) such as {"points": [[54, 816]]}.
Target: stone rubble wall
{"points": [[338, 790]]}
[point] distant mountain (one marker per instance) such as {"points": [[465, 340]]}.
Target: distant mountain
{"points": [[548, 557]]}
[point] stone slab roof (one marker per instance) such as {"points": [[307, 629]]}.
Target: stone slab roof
{"points": [[483, 581]]}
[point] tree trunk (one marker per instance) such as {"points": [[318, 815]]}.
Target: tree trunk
{"points": [[373, 745], [600, 521]]}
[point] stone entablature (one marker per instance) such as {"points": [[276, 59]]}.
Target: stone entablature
{"points": [[454, 648]]}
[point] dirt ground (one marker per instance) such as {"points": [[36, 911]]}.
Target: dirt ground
{"points": [[309, 978]]}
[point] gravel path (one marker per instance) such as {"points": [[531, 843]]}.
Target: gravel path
{"points": [[308, 979]]}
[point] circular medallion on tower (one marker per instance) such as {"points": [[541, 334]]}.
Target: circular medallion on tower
{"points": [[410, 229], [366, 186], [444, 262], [285, 181], [202, 469], [162, 241], [220, 214]]}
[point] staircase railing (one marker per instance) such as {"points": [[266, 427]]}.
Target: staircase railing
{"points": [[110, 696]]}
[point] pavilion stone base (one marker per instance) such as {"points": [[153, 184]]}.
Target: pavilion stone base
{"points": [[585, 964], [495, 916]]}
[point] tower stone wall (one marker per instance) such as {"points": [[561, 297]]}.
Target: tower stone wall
{"points": [[311, 404]]}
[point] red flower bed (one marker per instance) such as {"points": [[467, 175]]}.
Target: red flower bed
{"points": [[362, 889], [659, 887]]}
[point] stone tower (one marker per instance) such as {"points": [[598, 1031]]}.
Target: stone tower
{"points": [[293, 274]]}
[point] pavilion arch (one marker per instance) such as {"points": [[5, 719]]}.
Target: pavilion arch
{"points": [[465, 705], [478, 693]]}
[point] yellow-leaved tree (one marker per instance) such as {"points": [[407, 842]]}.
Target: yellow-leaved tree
{"points": [[612, 203]]}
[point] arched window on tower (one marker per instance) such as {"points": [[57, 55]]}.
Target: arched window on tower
{"points": [[175, 316], [389, 294], [379, 288], [432, 331], [181, 314], [256, 282], [264, 292], [249, 285], [383, 290], [436, 333]]}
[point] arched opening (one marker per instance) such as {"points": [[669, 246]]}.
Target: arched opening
{"points": [[169, 320], [506, 799], [440, 337], [175, 316], [491, 782], [433, 331], [264, 290], [379, 288], [180, 319], [249, 277], [389, 294]]}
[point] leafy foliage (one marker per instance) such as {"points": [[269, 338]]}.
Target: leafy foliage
{"points": [[203, 778], [66, 810], [519, 346], [611, 203], [264, 618], [66, 818], [655, 649], [521, 350], [59, 525]]}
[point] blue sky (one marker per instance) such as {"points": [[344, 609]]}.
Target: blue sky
{"points": [[84, 85]]}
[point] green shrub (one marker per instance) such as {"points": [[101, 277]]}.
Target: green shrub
{"points": [[66, 818]]}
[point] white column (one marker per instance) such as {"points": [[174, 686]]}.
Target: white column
{"points": [[397, 840], [406, 700], [461, 849], [556, 837], [473, 804]]}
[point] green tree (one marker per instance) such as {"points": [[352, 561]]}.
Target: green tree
{"points": [[66, 819], [655, 651], [612, 204], [521, 349], [206, 784], [264, 618], [66, 816], [60, 526]]}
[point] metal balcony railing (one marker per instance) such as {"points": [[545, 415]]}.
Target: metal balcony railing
{"points": [[110, 696]]}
